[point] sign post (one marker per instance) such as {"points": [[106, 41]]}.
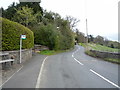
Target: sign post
{"points": [[21, 37]]}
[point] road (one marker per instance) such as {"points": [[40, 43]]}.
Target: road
{"points": [[72, 69]]}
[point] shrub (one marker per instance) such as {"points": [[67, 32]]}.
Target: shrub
{"points": [[51, 37], [45, 35], [11, 32]]}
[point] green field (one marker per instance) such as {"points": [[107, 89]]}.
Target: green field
{"points": [[100, 47]]}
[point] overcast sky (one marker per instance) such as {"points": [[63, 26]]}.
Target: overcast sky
{"points": [[102, 15]]}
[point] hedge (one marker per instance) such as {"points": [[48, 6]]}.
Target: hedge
{"points": [[11, 32]]}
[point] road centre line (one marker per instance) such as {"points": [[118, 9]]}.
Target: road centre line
{"points": [[78, 61], [11, 76], [72, 56], [75, 58], [40, 73], [96, 72], [105, 79]]}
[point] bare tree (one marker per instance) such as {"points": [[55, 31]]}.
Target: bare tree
{"points": [[99, 40], [80, 37], [72, 21]]}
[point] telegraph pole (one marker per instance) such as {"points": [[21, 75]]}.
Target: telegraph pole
{"points": [[86, 24], [87, 34], [87, 30]]}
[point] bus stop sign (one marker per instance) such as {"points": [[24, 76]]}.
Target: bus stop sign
{"points": [[23, 36]]}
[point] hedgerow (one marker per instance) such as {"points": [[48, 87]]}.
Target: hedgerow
{"points": [[11, 32]]}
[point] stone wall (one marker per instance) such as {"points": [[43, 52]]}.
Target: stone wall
{"points": [[40, 48], [102, 54], [26, 55]]}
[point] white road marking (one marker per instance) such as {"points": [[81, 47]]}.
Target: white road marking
{"points": [[11, 77], [104, 78], [72, 55], [39, 77], [75, 58], [78, 61]]}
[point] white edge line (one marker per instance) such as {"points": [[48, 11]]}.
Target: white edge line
{"points": [[11, 77], [78, 61], [40, 73], [104, 78]]}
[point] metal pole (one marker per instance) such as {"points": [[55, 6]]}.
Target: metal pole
{"points": [[20, 48]]}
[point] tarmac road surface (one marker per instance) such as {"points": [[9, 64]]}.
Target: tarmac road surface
{"points": [[72, 69]]}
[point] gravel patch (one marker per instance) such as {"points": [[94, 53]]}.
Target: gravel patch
{"points": [[6, 74]]}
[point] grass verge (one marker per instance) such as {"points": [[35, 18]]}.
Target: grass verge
{"points": [[100, 48], [90, 53], [106, 59], [113, 60], [53, 52]]}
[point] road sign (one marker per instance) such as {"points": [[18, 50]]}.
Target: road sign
{"points": [[23, 36]]}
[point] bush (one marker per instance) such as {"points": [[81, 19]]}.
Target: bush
{"points": [[45, 35], [51, 37], [11, 32]]}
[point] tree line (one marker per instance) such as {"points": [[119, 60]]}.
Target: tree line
{"points": [[81, 38], [49, 28]]}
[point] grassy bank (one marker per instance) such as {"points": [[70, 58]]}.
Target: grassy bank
{"points": [[113, 60], [106, 59], [98, 47], [53, 52], [101, 48]]}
